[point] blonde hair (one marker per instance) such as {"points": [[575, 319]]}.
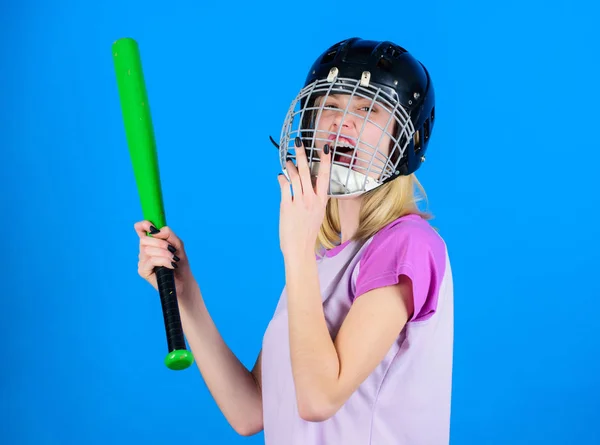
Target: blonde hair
{"points": [[378, 208]]}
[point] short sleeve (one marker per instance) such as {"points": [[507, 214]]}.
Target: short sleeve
{"points": [[408, 247]]}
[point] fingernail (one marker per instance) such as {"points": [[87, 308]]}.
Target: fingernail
{"points": [[172, 249], [298, 141], [154, 230], [326, 149], [175, 257], [174, 265]]}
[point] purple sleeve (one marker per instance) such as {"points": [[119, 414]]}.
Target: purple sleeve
{"points": [[408, 248]]}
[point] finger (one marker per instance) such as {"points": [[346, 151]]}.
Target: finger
{"points": [[294, 178], [160, 253], [303, 168], [284, 184], [146, 268], [159, 243], [324, 172], [143, 228]]}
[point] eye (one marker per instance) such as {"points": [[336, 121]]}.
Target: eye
{"points": [[329, 105], [369, 107]]}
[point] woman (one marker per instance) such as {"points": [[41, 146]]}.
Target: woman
{"points": [[359, 349]]}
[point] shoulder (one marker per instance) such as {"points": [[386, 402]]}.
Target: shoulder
{"points": [[408, 246], [409, 226], [410, 234]]}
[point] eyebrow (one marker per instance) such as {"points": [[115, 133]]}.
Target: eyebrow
{"points": [[337, 96]]}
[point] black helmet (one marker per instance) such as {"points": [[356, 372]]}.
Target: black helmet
{"points": [[383, 72]]}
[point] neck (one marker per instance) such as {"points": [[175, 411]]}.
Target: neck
{"points": [[349, 210]]}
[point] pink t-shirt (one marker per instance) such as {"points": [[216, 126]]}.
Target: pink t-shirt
{"points": [[406, 399]]}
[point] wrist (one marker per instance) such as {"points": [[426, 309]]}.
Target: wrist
{"points": [[298, 257], [190, 291], [300, 272]]}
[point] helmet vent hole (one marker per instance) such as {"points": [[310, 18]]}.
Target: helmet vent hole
{"points": [[417, 140], [394, 51], [384, 63], [329, 56]]}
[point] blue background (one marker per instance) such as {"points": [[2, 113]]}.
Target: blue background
{"points": [[511, 176]]}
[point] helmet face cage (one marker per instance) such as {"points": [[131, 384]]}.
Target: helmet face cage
{"points": [[351, 173]]}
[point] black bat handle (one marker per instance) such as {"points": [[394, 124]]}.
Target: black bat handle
{"points": [[178, 357]]}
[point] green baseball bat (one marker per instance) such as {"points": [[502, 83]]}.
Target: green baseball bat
{"points": [[142, 149]]}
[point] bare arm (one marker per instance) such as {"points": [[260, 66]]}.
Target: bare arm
{"points": [[327, 372], [236, 390]]}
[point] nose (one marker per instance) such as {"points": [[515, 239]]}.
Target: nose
{"points": [[348, 119]]}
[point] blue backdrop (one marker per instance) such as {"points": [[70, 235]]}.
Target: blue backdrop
{"points": [[511, 177]]}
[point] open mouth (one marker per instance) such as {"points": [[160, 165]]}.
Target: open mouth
{"points": [[343, 153], [344, 149]]}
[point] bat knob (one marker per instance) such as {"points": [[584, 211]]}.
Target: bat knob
{"points": [[179, 359]]}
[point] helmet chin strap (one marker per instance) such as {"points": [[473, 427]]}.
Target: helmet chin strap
{"points": [[345, 182], [273, 142]]}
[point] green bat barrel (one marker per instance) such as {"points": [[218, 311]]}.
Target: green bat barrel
{"points": [[139, 132]]}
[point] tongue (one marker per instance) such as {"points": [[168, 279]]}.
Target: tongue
{"points": [[341, 158]]}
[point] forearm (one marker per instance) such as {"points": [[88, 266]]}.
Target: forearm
{"points": [[315, 362], [231, 384]]}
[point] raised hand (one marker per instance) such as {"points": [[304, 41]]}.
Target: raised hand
{"points": [[301, 215]]}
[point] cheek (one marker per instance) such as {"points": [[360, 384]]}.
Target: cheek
{"points": [[323, 122], [322, 132], [376, 140]]}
